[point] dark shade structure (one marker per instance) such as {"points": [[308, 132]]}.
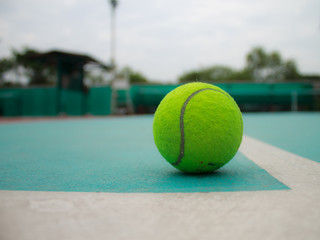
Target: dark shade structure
{"points": [[69, 66], [70, 73]]}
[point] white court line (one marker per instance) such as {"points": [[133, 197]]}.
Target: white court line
{"points": [[290, 214], [293, 170]]}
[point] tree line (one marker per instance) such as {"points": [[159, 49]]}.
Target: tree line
{"points": [[18, 69], [261, 66]]}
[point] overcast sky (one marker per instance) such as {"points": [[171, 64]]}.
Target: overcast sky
{"points": [[164, 38]]}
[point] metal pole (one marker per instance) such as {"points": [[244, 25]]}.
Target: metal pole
{"points": [[114, 4], [294, 101], [113, 37]]}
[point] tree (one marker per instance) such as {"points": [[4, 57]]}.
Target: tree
{"points": [[6, 64], [270, 67], [134, 76], [37, 71], [291, 71], [214, 74], [21, 66]]}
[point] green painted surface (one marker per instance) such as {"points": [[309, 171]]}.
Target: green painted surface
{"points": [[43, 102], [38, 102], [295, 132], [98, 101], [108, 155], [72, 102]]}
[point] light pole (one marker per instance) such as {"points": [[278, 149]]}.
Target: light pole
{"points": [[114, 4], [114, 93]]}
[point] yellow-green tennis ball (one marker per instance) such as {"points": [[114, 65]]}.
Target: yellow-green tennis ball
{"points": [[198, 127]]}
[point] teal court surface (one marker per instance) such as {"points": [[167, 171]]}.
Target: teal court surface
{"points": [[103, 178]]}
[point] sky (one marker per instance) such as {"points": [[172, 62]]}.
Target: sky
{"points": [[165, 38]]}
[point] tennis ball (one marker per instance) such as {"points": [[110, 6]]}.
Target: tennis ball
{"points": [[197, 127]]}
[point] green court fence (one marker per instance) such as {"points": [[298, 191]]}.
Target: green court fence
{"points": [[249, 96], [146, 98], [52, 102], [99, 101]]}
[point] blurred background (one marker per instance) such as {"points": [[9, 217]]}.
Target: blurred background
{"points": [[103, 57]]}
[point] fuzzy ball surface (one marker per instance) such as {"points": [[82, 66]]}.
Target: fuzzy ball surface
{"points": [[198, 127]]}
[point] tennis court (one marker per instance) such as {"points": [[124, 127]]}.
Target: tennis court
{"points": [[103, 178], [93, 128]]}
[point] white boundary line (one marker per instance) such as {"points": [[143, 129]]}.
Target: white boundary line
{"points": [[296, 172]]}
